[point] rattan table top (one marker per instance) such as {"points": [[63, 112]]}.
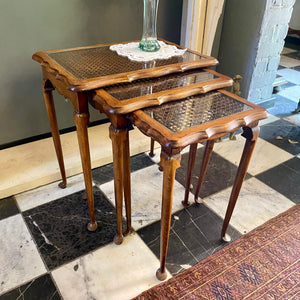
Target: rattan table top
{"points": [[88, 68], [127, 97], [197, 118]]}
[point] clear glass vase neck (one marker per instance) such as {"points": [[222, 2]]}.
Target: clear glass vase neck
{"points": [[149, 38]]}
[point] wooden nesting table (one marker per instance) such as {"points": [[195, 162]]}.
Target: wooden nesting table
{"points": [[191, 119], [174, 101], [77, 72]]}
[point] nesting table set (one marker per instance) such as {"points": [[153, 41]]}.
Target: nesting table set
{"points": [[178, 102]]}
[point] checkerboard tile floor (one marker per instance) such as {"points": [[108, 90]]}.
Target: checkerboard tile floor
{"points": [[47, 253]]}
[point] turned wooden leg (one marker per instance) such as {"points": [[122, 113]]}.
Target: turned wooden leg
{"points": [[127, 184], [47, 91], [191, 162], [151, 153], [170, 164], [251, 135], [81, 121], [118, 137], [206, 156]]}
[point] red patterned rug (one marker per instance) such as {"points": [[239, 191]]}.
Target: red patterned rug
{"points": [[263, 264]]}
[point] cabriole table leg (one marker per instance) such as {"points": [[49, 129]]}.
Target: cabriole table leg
{"points": [[191, 162], [169, 163], [206, 157], [118, 137], [251, 135], [47, 91], [127, 182], [81, 121]]}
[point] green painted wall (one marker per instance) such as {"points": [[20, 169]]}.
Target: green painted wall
{"points": [[32, 25]]}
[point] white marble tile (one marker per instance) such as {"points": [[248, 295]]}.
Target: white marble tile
{"points": [[294, 118], [31, 165], [287, 50], [146, 193], [257, 203], [264, 157], [157, 151], [288, 62], [50, 192], [268, 120], [19, 257], [292, 93], [290, 74], [112, 272]]}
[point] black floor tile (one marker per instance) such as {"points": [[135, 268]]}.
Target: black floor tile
{"points": [[282, 106], [292, 42], [178, 254], [204, 237], [220, 173], [284, 178], [297, 68], [195, 234], [59, 227], [282, 134], [292, 55], [106, 173], [8, 207], [37, 289]]}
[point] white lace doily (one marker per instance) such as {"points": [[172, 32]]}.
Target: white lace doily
{"points": [[132, 51]]}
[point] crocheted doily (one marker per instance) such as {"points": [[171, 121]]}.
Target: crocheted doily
{"points": [[132, 51]]}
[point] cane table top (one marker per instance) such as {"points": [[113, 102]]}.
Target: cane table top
{"points": [[197, 118], [88, 68], [125, 98]]}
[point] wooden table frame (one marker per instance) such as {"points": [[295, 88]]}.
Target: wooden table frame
{"points": [[117, 112], [112, 105], [80, 92], [172, 144]]}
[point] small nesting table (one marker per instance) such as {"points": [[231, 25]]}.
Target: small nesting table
{"points": [[193, 120]]}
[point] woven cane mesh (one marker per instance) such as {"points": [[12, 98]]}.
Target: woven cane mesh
{"points": [[96, 62], [144, 87], [192, 111]]}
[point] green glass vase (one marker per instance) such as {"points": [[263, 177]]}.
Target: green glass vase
{"points": [[149, 41]]}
